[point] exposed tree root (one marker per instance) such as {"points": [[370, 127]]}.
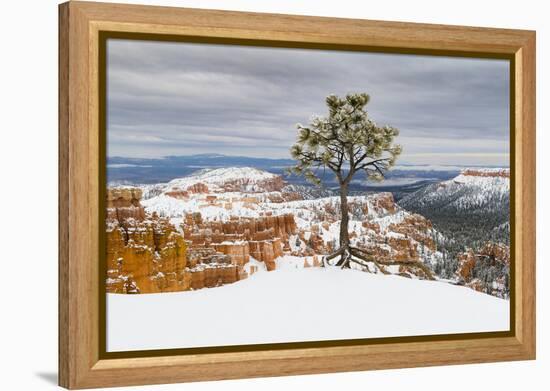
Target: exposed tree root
{"points": [[327, 258], [351, 254]]}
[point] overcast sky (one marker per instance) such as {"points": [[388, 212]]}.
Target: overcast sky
{"points": [[181, 99]]}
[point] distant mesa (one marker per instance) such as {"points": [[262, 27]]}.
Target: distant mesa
{"points": [[233, 179], [497, 172], [487, 172]]}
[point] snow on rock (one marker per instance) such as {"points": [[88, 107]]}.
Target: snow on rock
{"points": [[168, 206], [487, 179], [254, 266], [308, 304], [231, 179], [377, 223]]}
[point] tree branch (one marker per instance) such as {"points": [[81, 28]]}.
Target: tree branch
{"points": [[372, 163]]}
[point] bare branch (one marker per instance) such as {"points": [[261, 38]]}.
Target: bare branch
{"points": [[372, 163]]}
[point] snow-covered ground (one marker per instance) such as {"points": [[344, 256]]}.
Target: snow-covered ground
{"points": [[296, 304]]}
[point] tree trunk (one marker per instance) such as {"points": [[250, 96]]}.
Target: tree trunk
{"points": [[344, 233]]}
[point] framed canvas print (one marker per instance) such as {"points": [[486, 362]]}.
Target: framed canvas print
{"points": [[251, 195]]}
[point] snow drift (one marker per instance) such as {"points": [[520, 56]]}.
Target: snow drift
{"points": [[300, 305]]}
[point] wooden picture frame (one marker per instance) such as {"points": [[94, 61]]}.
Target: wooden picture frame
{"points": [[82, 362]]}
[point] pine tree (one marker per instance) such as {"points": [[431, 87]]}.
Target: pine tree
{"points": [[346, 142]]}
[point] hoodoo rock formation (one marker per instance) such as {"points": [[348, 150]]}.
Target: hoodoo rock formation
{"points": [[386, 233], [263, 238], [146, 254], [219, 226], [149, 254], [486, 270]]}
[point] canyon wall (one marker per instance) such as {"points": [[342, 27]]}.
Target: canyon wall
{"points": [[147, 254], [486, 270], [264, 238], [502, 173]]}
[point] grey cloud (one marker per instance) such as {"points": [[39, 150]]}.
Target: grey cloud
{"points": [[176, 98]]}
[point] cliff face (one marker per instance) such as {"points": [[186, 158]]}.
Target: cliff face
{"points": [[470, 210], [486, 270], [263, 238], [503, 173], [415, 228], [146, 254], [196, 188], [267, 185], [231, 179]]}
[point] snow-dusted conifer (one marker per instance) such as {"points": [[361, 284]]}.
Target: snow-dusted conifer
{"points": [[346, 142]]}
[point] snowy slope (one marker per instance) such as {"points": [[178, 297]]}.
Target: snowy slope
{"points": [[306, 211], [171, 207], [463, 192], [215, 179], [247, 179], [300, 305]]}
